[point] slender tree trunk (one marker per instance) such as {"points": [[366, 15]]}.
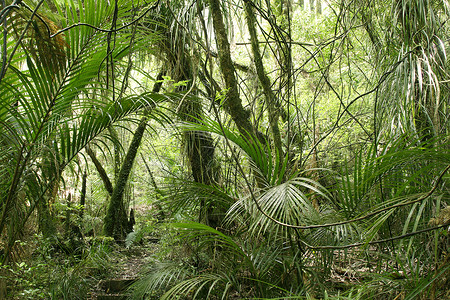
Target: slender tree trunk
{"points": [[318, 7], [83, 195], [45, 220], [232, 104], [285, 47], [311, 6], [159, 193], [283, 14], [301, 3], [117, 152], [314, 165], [263, 78], [116, 221], [101, 171]]}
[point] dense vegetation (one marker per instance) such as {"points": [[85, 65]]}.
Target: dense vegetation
{"points": [[273, 149]]}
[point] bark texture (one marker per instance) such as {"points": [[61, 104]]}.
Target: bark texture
{"points": [[101, 171], [263, 78], [116, 221], [233, 103]]}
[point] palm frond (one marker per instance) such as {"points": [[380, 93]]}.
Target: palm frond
{"points": [[268, 166], [201, 286], [210, 236], [184, 196], [51, 114], [288, 202], [160, 277]]}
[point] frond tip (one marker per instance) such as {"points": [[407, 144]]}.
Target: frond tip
{"points": [[50, 52], [442, 219]]}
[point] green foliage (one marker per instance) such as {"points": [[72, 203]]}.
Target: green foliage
{"points": [[377, 178], [50, 117], [51, 274], [29, 281], [72, 285], [348, 206], [148, 228]]}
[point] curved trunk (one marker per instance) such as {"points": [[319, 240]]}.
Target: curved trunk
{"points": [[101, 171], [264, 79], [233, 104], [116, 221]]}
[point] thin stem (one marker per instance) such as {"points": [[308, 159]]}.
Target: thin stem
{"points": [[398, 237]]}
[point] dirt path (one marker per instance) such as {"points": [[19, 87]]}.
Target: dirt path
{"points": [[127, 265]]}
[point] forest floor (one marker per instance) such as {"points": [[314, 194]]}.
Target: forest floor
{"points": [[133, 261], [127, 264]]}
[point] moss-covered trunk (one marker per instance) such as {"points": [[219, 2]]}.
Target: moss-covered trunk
{"points": [[197, 147], [83, 195], [264, 79], [116, 221], [233, 103]]}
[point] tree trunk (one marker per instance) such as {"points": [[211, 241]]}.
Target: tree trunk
{"points": [[283, 14], [116, 221], [197, 147], [318, 7], [311, 5], [83, 195], [232, 104], [264, 79], [45, 220], [301, 3], [117, 152], [101, 171]]}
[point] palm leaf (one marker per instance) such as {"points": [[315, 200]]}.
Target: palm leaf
{"points": [[268, 166], [55, 113], [184, 196], [209, 236], [197, 285], [285, 200], [159, 277]]}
